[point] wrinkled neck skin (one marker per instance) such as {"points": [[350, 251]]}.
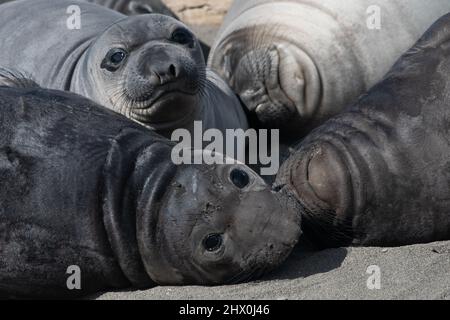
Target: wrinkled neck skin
{"points": [[84, 83], [137, 175]]}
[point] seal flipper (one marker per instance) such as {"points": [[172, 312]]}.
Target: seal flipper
{"points": [[16, 79]]}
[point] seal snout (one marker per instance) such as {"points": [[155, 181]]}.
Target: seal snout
{"points": [[167, 65], [257, 81], [278, 83], [163, 86]]}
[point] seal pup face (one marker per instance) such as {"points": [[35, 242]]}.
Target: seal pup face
{"points": [[278, 82], [220, 224], [151, 69]]}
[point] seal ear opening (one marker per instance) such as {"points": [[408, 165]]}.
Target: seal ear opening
{"points": [[136, 8], [16, 79]]}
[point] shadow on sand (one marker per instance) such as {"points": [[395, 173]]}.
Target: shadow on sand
{"points": [[306, 261]]}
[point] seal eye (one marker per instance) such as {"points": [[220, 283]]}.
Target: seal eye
{"points": [[212, 242], [182, 36], [118, 57], [239, 178], [114, 59]]}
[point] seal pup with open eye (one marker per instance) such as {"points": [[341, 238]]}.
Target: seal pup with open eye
{"points": [[296, 63], [149, 68], [84, 188], [379, 174]]}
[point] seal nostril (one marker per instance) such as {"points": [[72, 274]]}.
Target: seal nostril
{"points": [[173, 70], [157, 77]]}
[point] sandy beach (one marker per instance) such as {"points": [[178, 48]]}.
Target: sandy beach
{"points": [[411, 272]]}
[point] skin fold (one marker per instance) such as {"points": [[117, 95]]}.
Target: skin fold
{"points": [[378, 174], [296, 63], [83, 186]]}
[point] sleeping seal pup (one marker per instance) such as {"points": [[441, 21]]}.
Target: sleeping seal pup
{"points": [[83, 187], [379, 173], [149, 68], [296, 63]]}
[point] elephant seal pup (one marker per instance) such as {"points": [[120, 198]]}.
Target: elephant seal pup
{"points": [[379, 174], [296, 63], [83, 186], [149, 68]]}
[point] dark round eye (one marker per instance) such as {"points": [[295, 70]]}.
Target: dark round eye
{"points": [[117, 56], [113, 60], [182, 36], [239, 178], [212, 242]]}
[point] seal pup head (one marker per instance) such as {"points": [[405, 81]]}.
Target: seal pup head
{"points": [[149, 68], [276, 79], [219, 224]]}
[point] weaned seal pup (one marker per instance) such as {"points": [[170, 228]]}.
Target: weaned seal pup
{"points": [[379, 174], [83, 186], [295, 63], [149, 68]]}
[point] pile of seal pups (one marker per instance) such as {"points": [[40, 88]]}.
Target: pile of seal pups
{"points": [[86, 177]]}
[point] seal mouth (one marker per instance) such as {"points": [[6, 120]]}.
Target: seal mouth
{"points": [[319, 176], [152, 99], [257, 81], [165, 109]]}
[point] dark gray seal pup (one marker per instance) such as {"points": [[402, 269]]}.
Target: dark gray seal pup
{"points": [[83, 186], [379, 174], [149, 68], [296, 63]]}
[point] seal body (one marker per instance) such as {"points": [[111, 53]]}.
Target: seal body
{"points": [[149, 68], [83, 187], [136, 7], [133, 7], [295, 63], [378, 174]]}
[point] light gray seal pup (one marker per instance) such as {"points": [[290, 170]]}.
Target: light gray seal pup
{"points": [[149, 68], [84, 187], [296, 63], [379, 173]]}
